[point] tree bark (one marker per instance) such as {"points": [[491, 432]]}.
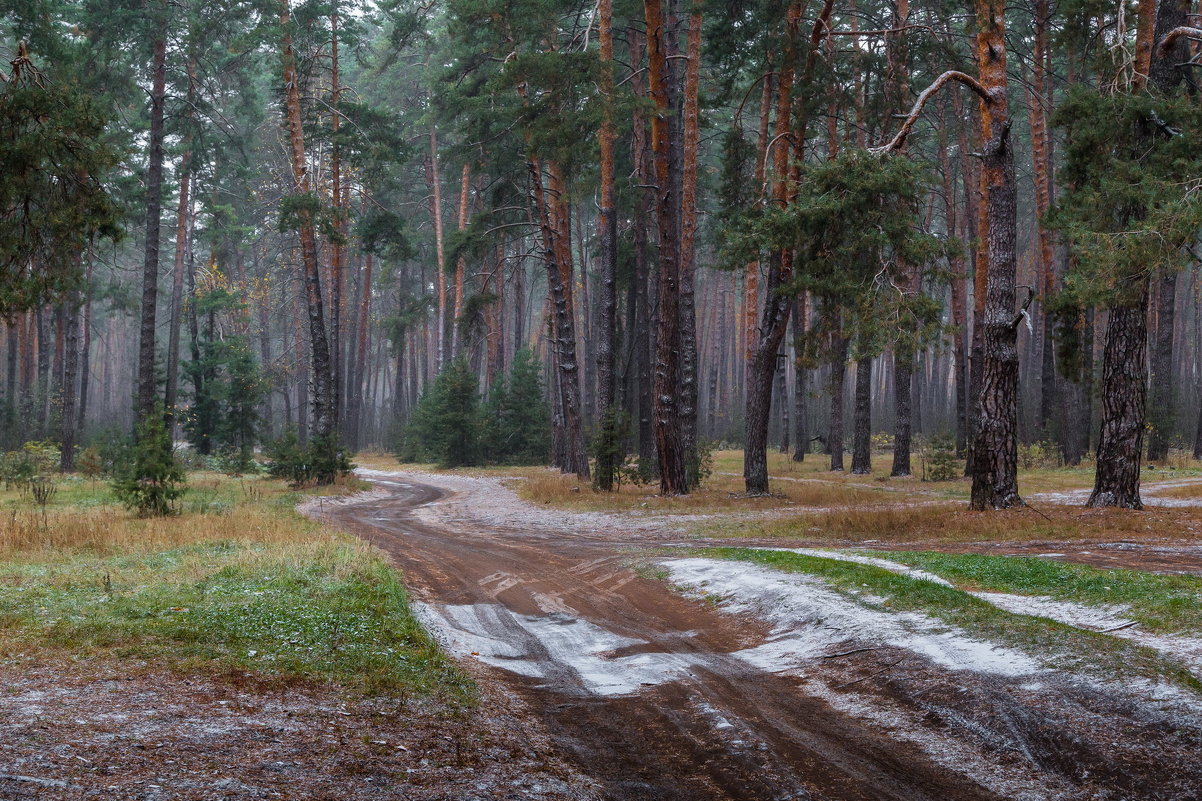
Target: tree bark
{"points": [[801, 435], [775, 317], [177, 273], [1160, 413], [319, 347], [995, 446], [668, 413], [861, 451], [837, 382], [608, 235], [154, 200], [1124, 391], [435, 182], [688, 234]]}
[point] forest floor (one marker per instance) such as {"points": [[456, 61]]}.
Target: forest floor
{"points": [[845, 638]]}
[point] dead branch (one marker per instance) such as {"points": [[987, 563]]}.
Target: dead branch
{"points": [[1172, 36], [927, 94]]}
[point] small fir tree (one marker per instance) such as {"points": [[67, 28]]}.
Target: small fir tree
{"points": [[445, 426], [516, 427], [154, 480]]}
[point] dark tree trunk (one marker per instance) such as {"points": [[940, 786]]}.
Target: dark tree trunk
{"points": [[69, 422], [995, 443], [1160, 412], [608, 234], [801, 410], [668, 412], [782, 394], [1124, 391], [861, 450], [837, 382], [903, 395], [324, 405], [154, 201]]}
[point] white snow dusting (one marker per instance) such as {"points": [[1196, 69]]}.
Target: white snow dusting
{"points": [[810, 620]]}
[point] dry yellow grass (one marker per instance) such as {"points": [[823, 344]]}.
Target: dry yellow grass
{"points": [[1187, 491], [83, 517], [952, 523]]}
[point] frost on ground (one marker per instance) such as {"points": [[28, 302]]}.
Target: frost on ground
{"points": [[1149, 493], [495, 504], [79, 731], [567, 653], [811, 620]]}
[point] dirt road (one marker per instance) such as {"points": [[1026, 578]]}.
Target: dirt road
{"points": [[653, 693]]}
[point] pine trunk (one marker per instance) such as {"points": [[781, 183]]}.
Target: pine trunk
{"points": [[775, 317], [154, 201], [861, 449], [319, 346], [1124, 391], [837, 381], [995, 443], [608, 235]]}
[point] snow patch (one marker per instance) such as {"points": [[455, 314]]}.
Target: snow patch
{"points": [[842, 556], [811, 620], [565, 651]]}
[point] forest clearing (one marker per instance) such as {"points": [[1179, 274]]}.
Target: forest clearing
{"points": [[484, 400]]}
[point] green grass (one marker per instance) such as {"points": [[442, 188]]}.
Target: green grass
{"points": [[1057, 644], [1161, 603], [238, 583]]}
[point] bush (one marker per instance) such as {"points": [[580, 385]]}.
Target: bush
{"points": [[153, 483], [939, 461], [1039, 455], [320, 461]]}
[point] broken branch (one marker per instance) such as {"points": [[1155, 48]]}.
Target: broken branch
{"points": [[1172, 36], [927, 94]]}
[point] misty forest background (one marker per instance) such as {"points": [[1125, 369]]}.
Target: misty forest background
{"points": [[605, 235]]}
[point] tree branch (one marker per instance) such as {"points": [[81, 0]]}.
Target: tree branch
{"points": [[1172, 36], [927, 94]]}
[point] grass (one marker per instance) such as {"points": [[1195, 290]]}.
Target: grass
{"points": [[239, 582], [1187, 491], [1064, 646], [1161, 603], [952, 523]]}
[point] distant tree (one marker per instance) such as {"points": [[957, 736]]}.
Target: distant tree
{"points": [[516, 421], [445, 426]]}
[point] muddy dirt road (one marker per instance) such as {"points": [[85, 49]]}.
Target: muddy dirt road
{"points": [[661, 696]]}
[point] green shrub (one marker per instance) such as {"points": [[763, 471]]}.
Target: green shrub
{"points": [[320, 461], [515, 427], [153, 483], [939, 461]]}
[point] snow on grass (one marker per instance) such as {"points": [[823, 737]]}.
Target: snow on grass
{"points": [[842, 556], [811, 620]]}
